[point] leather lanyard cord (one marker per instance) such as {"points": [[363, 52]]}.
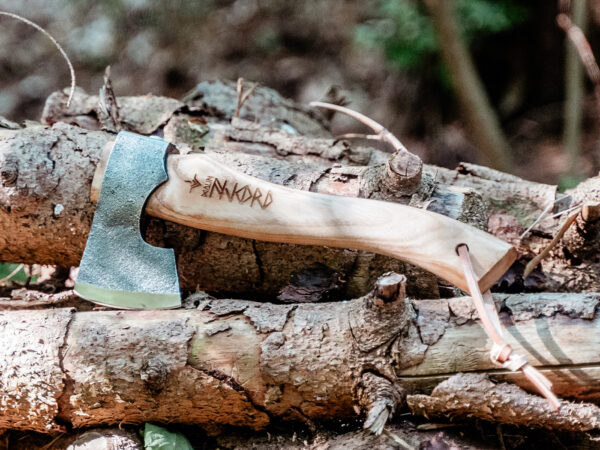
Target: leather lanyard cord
{"points": [[501, 353]]}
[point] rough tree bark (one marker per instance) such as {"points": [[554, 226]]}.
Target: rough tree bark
{"points": [[304, 363], [298, 362]]}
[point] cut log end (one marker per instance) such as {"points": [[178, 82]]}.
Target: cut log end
{"points": [[590, 212]]}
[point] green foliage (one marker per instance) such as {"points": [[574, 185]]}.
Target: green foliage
{"points": [[568, 182], [158, 438], [7, 268], [407, 36]]}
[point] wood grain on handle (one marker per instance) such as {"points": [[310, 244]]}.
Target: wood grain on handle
{"points": [[204, 193]]}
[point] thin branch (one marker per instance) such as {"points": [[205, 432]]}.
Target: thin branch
{"points": [[536, 221], [398, 440], [382, 133], [584, 50], [56, 44], [531, 265], [12, 274], [50, 444], [242, 96], [543, 214], [372, 137], [566, 211]]}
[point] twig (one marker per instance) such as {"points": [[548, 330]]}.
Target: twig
{"points": [[536, 221], [398, 440], [543, 213], [402, 175], [108, 101], [500, 436], [12, 274], [583, 48], [242, 96], [566, 211], [50, 444], [56, 44], [535, 261], [373, 137], [382, 133]]}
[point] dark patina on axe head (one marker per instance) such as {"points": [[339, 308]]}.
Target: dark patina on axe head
{"points": [[118, 268]]}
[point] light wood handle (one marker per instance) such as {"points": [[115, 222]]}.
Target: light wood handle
{"points": [[204, 193]]}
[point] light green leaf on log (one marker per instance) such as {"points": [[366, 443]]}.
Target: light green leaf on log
{"points": [[158, 438]]}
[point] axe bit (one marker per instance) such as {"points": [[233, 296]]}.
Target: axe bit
{"points": [[119, 269]]}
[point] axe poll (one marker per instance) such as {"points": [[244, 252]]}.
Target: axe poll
{"points": [[142, 174]]}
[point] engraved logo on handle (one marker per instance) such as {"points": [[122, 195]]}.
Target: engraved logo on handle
{"points": [[214, 187]]}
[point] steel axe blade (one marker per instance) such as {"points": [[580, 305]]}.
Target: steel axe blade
{"points": [[118, 267]]}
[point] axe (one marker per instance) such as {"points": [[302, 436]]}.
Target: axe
{"points": [[120, 269]]}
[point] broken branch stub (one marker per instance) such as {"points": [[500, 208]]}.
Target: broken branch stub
{"points": [[380, 398], [403, 174], [390, 287]]}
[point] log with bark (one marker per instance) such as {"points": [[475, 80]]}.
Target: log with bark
{"points": [[223, 362], [243, 363], [46, 211]]}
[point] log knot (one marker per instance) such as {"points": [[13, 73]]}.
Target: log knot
{"points": [[10, 171], [379, 398], [375, 320], [155, 373]]}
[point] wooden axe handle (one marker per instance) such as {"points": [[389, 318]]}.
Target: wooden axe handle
{"points": [[204, 193]]}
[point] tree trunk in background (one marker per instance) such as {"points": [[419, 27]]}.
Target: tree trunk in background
{"points": [[574, 91], [481, 119]]}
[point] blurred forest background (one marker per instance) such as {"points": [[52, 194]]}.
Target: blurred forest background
{"points": [[393, 60]]}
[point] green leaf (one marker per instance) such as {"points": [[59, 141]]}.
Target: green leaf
{"points": [[158, 438], [568, 182], [403, 30], [7, 268]]}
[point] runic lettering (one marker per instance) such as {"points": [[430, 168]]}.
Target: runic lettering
{"points": [[213, 187], [219, 188], [206, 189], [242, 194], [267, 201], [194, 183]]}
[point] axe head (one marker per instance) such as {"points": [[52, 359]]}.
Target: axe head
{"points": [[118, 268]]}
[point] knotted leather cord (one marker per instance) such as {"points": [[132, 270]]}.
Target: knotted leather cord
{"points": [[501, 353]]}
